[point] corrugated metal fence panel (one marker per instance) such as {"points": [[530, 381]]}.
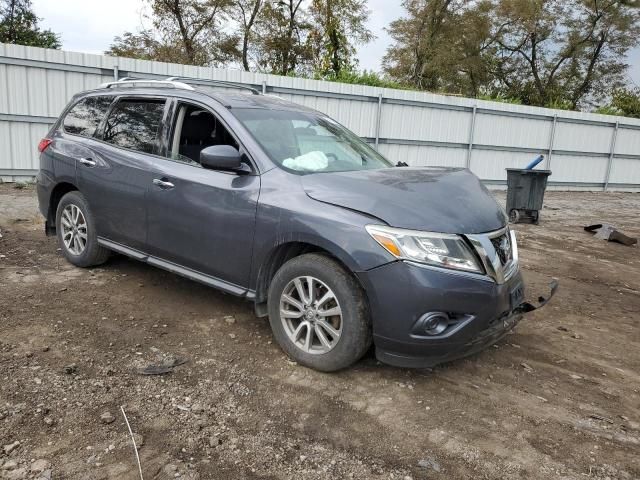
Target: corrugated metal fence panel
{"points": [[492, 129], [579, 169], [626, 171], [419, 128], [628, 142], [583, 138], [423, 155], [409, 122]]}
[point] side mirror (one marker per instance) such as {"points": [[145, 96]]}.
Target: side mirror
{"points": [[221, 157]]}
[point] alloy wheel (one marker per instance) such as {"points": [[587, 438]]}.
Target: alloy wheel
{"points": [[74, 229], [311, 315]]}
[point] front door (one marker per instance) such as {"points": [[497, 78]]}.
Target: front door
{"points": [[197, 218]]}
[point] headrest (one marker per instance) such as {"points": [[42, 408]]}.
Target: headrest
{"points": [[198, 124]]}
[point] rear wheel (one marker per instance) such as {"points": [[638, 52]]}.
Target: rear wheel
{"points": [[318, 313], [75, 228]]}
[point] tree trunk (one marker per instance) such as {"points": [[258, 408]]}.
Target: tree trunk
{"points": [[186, 40], [247, 33], [12, 21]]}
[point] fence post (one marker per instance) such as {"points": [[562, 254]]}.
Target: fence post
{"points": [[116, 73], [552, 137], [471, 132], [612, 150], [378, 118], [264, 87]]}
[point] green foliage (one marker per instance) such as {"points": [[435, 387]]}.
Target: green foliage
{"points": [[624, 102], [366, 77], [562, 54], [500, 98], [280, 43], [19, 25], [560, 104], [627, 101], [184, 31], [337, 27], [557, 53], [607, 110]]}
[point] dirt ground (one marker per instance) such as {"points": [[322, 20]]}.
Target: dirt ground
{"points": [[558, 398]]}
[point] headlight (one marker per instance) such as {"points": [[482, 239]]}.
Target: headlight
{"points": [[439, 249]]}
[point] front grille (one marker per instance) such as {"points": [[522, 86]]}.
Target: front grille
{"points": [[502, 245], [498, 252]]}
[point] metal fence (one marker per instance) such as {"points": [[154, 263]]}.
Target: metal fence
{"points": [[584, 151]]}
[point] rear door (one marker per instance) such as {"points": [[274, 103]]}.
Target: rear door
{"points": [[75, 139], [116, 177], [202, 219]]}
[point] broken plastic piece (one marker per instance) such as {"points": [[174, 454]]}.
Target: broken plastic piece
{"points": [[606, 231], [542, 301]]}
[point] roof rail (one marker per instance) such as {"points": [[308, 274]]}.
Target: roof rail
{"points": [[221, 83], [133, 81]]}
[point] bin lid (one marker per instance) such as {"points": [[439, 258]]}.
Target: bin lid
{"points": [[525, 171]]}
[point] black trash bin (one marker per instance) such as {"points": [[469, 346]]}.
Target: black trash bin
{"points": [[525, 193]]}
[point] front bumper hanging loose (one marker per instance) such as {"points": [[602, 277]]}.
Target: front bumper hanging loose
{"points": [[493, 320], [527, 307]]}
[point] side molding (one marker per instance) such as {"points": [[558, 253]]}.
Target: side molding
{"points": [[179, 269]]}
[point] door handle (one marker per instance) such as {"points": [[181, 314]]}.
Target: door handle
{"points": [[163, 184], [88, 162]]}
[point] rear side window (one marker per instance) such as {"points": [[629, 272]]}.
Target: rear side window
{"points": [[86, 115], [134, 124]]}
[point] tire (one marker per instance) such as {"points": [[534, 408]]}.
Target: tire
{"points": [[81, 252], [514, 216], [330, 280]]}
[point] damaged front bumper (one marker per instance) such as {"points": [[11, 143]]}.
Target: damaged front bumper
{"points": [[481, 312]]}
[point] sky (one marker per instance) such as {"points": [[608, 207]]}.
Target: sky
{"points": [[90, 25]]}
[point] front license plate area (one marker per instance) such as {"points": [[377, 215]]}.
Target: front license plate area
{"points": [[516, 296]]}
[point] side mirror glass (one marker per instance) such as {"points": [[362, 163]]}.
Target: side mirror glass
{"points": [[221, 157]]}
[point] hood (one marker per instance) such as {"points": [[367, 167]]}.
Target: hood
{"points": [[435, 199]]}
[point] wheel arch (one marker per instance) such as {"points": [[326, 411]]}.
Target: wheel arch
{"points": [[284, 252], [59, 191]]}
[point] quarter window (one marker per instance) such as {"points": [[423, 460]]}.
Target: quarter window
{"points": [[134, 124], [86, 115]]}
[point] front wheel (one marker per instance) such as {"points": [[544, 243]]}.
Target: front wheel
{"points": [[318, 313]]}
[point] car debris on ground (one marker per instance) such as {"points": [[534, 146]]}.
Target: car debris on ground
{"points": [[606, 231]]}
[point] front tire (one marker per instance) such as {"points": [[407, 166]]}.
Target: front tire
{"points": [[76, 232], [318, 313]]}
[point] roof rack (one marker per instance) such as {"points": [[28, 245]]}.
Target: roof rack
{"points": [[132, 81], [178, 82], [221, 83]]}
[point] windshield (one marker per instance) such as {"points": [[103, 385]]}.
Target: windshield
{"points": [[304, 142]]}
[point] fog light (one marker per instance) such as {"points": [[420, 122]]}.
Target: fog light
{"points": [[435, 323]]}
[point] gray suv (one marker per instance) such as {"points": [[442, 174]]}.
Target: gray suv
{"points": [[281, 205]]}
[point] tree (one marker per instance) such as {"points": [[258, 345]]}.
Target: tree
{"points": [[184, 31], [422, 53], [338, 26], [624, 102], [563, 52], [558, 53], [282, 46], [19, 25], [140, 45], [248, 12]]}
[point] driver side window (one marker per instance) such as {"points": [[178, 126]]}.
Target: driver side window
{"points": [[195, 129]]}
